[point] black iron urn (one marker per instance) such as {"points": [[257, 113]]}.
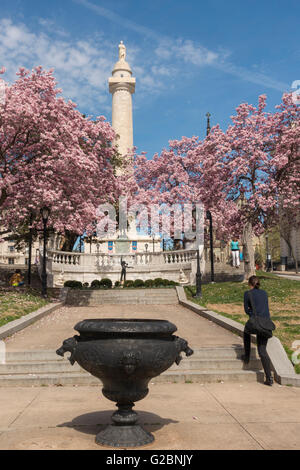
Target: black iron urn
{"points": [[125, 355]]}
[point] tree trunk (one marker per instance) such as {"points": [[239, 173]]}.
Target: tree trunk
{"points": [[294, 256], [296, 265], [249, 260]]}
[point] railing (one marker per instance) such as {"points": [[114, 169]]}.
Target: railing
{"points": [[61, 258], [181, 256]]}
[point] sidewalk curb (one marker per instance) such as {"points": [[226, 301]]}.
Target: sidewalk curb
{"points": [[284, 372], [17, 325]]}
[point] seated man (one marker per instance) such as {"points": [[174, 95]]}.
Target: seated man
{"points": [[17, 280]]}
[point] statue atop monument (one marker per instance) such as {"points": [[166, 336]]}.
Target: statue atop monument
{"points": [[122, 51]]}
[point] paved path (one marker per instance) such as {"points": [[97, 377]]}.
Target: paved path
{"points": [[49, 332], [292, 276], [181, 416]]}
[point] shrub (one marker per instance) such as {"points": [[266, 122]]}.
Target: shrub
{"points": [[128, 284], [106, 283], [117, 284], [85, 285], [158, 282], [167, 282], [73, 284], [149, 283], [95, 284], [138, 283]]}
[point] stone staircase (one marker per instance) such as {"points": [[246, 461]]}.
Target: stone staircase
{"points": [[206, 365], [159, 296]]}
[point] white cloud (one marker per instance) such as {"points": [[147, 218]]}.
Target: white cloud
{"points": [[80, 67], [51, 27], [163, 70], [188, 51], [252, 76], [192, 53]]}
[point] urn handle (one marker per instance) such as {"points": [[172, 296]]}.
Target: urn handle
{"points": [[182, 346], [69, 345]]}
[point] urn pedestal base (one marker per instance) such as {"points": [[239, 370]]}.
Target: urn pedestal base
{"points": [[124, 432], [124, 436]]}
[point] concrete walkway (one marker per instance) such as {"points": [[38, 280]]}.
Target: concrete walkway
{"points": [[181, 416], [288, 275], [49, 332]]}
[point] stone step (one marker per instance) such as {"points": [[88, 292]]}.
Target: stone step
{"points": [[227, 352], [210, 376], [217, 364], [133, 295], [63, 366], [128, 301], [38, 380], [48, 367], [185, 376], [128, 296], [208, 364], [223, 352]]}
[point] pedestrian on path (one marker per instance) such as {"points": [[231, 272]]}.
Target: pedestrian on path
{"points": [[256, 303], [235, 252]]}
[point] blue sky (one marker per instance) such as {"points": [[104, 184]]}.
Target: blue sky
{"points": [[188, 57]]}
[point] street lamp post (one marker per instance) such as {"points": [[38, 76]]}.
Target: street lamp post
{"points": [[212, 270], [153, 241], [30, 249], [208, 115], [45, 212], [268, 263], [198, 294]]}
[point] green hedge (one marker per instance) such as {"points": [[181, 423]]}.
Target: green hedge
{"points": [[96, 284], [138, 283], [106, 283], [128, 283], [73, 284]]}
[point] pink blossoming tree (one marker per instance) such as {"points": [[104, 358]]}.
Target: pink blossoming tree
{"points": [[245, 176], [51, 155]]}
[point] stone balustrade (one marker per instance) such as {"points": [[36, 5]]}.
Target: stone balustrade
{"points": [[60, 258]]}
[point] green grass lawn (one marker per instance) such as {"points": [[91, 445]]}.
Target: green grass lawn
{"points": [[284, 300], [15, 303]]}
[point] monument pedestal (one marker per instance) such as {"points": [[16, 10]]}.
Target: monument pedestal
{"points": [[122, 245]]}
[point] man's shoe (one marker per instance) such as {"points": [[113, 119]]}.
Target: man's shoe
{"points": [[245, 359], [269, 382]]}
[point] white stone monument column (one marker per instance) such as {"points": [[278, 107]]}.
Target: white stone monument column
{"points": [[122, 86]]}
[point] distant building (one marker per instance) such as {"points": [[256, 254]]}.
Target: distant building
{"points": [[289, 244], [9, 255]]}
